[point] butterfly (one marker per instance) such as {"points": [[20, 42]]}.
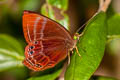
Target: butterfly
{"points": [[48, 41]]}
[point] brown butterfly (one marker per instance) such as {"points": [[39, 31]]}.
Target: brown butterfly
{"points": [[48, 41]]}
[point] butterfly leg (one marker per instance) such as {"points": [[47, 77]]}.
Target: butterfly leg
{"points": [[77, 51], [68, 58], [72, 51]]}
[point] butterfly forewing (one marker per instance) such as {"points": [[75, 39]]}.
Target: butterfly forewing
{"points": [[37, 27]]}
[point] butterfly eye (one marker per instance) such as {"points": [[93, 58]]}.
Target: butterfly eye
{"points": [[31, 47], [31, 52]]}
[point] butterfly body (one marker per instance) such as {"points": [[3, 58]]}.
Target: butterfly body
{"points": [[48, 41]]}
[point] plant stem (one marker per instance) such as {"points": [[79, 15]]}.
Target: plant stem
{"points": [[103, 5]]}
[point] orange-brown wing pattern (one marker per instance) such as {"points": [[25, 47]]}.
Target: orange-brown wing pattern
{"points": [[48, 41], [47, 56], [38, 27]]}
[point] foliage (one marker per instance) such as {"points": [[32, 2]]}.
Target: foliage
{"points": [[97, 36], [48, 76], [10, 53], [91, 46]]}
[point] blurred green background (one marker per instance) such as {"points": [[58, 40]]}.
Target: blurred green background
{"points": [[78, 12]]}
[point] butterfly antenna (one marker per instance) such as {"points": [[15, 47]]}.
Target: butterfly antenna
{"points": [[102, 4], [86, 22], [81, 27], [77, 51]]}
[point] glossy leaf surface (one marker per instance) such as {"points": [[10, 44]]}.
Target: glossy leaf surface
{"points": [[11, 53], [114, 24], [91, 47]]}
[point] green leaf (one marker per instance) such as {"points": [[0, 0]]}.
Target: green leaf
{"points": [[9, 43], [52, 76], [91, 46], [114, 25], [10, 64], [49, 12], [65, 21], [11, 53], [113, 45], [61, 4], [113, 36]]}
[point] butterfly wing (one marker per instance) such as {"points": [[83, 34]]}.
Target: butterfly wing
{"points": [[55, 49], [47, 56], [54, 40], [37, 27]]}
